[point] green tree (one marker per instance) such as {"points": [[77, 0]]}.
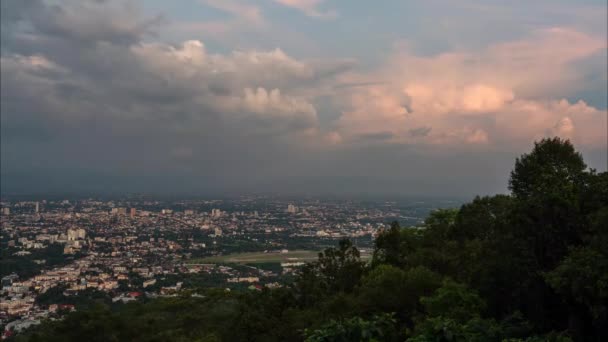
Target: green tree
{"points": [[379, 328], [336, 270], [582, 280], [454, 314]]}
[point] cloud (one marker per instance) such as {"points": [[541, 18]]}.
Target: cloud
{"points": [[499, 95], [420, 131], [107, 105], [309, 8], [156, 80], [84, 22], [262, 101], [115, 105]]}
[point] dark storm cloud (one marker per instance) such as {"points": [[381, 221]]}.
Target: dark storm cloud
{"points": [[84, 22], [85, 100]]}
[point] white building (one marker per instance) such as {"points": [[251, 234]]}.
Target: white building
{"points": [[76, 234]]}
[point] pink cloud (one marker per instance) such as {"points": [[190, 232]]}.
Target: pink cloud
{"points": [[500, 95]]}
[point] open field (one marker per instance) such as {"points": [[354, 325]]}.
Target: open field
{"points": [[261, 257]]}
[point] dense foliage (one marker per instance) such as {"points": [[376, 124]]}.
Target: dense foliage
{"points": [[531, 266], [25, 266]]}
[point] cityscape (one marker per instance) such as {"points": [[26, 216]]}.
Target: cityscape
{"points": [[55, 250], [303, 171]]}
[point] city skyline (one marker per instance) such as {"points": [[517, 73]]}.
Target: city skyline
{"points": [[315, 97]]}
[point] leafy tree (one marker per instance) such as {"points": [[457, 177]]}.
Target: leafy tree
{"points": [[553, 168], [379, 328], [454, 314], [582, 280], [336, 270]]}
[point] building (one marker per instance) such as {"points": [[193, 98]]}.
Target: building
{"points": [[216, 213], [6, 211], [9, 279], [244, 280], [76, 234], [218, 232], [119, 211], [37, 207], [133, 212], [149, 282], [292, 209]]}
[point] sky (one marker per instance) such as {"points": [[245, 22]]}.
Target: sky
{"points": [[316, 97]]}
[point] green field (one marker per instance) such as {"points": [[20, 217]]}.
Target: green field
{"points": [[258, 257], [261, 257]]}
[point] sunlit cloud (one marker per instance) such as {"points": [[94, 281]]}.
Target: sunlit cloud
{"points": [[499, 95]]}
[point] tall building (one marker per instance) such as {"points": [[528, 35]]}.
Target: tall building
{"points": [[76, 234], [133, 212], [6, 211], [292, 209], [37, 207]]}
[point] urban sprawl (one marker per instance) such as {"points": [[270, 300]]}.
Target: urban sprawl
{"points": [[54, 252]]}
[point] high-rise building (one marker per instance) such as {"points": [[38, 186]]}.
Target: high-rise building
{"points": [[6, 211], [76, 234], [292, 209], [37, 207], [133, 212]]}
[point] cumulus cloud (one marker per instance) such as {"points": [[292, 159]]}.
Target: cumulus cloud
{"points": [[82, 88], [502, 94]]}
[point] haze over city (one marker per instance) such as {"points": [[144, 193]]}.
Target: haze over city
{"points": [[432, 98]]}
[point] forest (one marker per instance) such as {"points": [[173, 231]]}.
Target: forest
{"points": [[528, 266]]}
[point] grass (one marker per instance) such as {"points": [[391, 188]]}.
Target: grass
{"points": [[261, 257], [258, 257]]}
